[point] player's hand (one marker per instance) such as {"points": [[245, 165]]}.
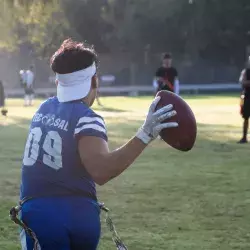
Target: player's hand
{"points": [[153, 124]]}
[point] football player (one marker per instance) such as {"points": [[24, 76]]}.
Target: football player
{"points": [[27, 82], [245, 100], [166, 77], [67, 152], [4, 111]]}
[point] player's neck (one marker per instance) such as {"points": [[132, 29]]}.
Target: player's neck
{"points": [[86, 101], [81, 100]]}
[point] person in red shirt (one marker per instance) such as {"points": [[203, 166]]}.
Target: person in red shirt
{"points": [[166, 76]]}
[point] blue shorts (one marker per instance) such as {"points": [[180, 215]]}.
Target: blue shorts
{"points": [[62, 223]]}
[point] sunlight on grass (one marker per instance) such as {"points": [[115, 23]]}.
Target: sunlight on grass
{"points": [[167, 199]]}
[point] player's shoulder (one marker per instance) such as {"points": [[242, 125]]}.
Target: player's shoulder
{"points": [[89, 123], [84, 112], [243, 71], [159, 70], [174, 70], [48, 103]]}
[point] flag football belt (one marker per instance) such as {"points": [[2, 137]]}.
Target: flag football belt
{"points": [[14, 212]]}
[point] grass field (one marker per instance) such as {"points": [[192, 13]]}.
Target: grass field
{"points": [[167, 200]]}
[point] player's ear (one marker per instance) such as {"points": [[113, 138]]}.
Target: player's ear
{"points": [[94, 82], [56, 82]]}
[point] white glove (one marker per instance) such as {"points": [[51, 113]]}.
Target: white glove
{"points": [[153, 124]]}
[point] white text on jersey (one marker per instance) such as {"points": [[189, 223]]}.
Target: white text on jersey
{"points": [[51, 120]]}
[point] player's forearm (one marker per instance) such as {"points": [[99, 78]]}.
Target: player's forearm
{"points": [[115, 162], [176, 86]]}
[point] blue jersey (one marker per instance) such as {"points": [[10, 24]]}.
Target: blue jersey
{"points": [[51, 162]]}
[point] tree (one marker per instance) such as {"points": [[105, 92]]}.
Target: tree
{"points": [[86, 21], [216, 30], [39, 25]]}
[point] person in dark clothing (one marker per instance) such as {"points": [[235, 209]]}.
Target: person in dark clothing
{"points": [[167, 76], [245, 100], [2, 100]]}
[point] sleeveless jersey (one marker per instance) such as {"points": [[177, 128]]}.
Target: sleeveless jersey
{"points": [[51, 162]]}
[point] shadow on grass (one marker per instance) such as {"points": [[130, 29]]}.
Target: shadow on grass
{"points": [[206, 96], [193, 194], [108, 109], [13, 130], [14, 121], [212, 137], [217, 133]]}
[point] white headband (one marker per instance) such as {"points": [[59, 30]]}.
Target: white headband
{"points": [[76, 85]]}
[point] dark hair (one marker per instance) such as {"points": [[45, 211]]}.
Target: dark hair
{"points": [[72, 56], [166, 56]]}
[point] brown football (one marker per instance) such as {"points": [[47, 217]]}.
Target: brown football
{"points": [[183, 137]]}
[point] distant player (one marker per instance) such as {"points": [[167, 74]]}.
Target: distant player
{"points": [[22, 77], [67, 152], [2, 100], [245, 98], [166, 77], [27, 80]]}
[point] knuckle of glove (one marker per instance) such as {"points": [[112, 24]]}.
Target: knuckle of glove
{"points": [[169, 114], [166, 116], [164, 109]]}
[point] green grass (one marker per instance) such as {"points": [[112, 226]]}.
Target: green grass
{"points": [[198, 200]]}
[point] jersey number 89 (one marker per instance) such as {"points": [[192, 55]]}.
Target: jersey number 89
{"points": [[52, 146]]}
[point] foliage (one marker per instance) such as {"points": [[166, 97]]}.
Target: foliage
{"points": [[216, 30], [36, 24]]}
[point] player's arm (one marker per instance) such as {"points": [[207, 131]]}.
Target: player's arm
{"points": [[176, 83], [103, 164], [176, 86], [243, 81]]}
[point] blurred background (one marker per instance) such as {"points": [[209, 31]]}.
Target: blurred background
{"points": [[168, 199], [209, 40]]}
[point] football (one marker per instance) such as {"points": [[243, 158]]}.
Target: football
{"points": [[182, 137]]}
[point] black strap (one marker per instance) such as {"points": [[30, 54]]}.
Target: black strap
{"points": [[14, 211]]}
